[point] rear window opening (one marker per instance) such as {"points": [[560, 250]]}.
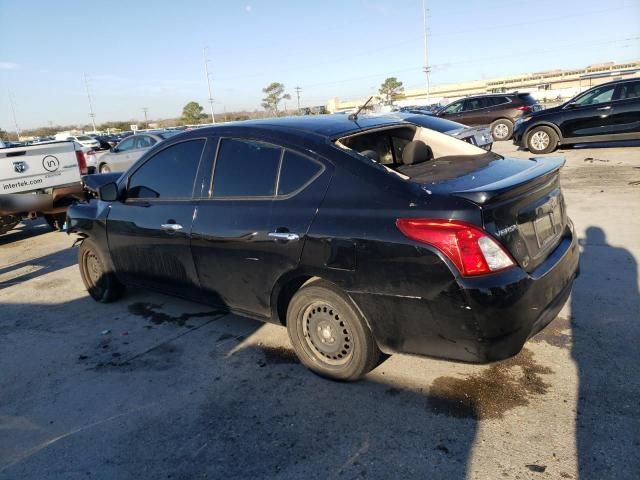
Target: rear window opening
{"points": [[417, 153]]}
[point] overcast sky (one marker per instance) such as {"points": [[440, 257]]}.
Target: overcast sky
{"points": [[149, 53]]}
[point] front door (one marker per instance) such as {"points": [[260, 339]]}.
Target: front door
{"points": [[149, 231], [589, 114]]}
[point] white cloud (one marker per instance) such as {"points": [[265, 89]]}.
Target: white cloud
{"points": [[8, 66], [248, 8]]}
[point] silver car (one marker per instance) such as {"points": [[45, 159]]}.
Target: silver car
{"points": [[125, 153]]}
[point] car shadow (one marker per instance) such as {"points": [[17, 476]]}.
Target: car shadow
{"points": [[199, 399], [605, 314], [33, 268], [24, 231]]}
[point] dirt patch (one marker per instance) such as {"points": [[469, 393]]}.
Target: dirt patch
{"points": [[275, 355], [149, 311], [490, 394], [557, 333]]}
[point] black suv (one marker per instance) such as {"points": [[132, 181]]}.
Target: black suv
{"points": [[367, 236], [608, 112], [500, 111]]}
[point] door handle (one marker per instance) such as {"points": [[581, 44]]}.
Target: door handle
{"points": [[284, 236], [604, 108], [171, 227]]}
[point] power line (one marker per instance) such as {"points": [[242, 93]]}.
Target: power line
{"points": [[206, 70]]}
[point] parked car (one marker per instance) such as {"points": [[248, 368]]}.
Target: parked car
{"points": [[106, 142], [449, 251], [39, 180], [84, 140], [608, 112], [479, 136], [125, 153], [499, 111]]}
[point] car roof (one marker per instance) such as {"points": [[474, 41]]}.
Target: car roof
{"points": [[331, 126]]}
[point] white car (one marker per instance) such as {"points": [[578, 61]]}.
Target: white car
{"points": [[84, 140]]}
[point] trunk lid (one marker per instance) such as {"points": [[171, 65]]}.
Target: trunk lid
{"points": [[521, 200]]}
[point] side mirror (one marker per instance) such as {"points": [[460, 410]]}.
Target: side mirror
{"points": [[108, 192], [570, 105]]}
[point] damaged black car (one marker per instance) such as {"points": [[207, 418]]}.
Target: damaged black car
{"points": [[363, 236]]}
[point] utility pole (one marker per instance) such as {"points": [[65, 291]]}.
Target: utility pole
{"points": [[298, 90], [426, 69], [206, 71], [91, 114], [13, 111], [146, 122]]}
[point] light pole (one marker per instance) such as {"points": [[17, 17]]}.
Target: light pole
{"points": [[206, 71], [426, 69], [91, 114], [298, 90], [13, 112], [146, 122]]}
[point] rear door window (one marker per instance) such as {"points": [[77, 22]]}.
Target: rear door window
{"points": [[245, 168], [169, 174], [628, 90], [296, 172]]}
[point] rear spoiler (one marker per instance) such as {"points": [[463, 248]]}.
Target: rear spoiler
{"points": [[544, 171]]}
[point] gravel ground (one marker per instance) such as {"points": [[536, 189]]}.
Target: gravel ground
{"points": [[153, 387]]}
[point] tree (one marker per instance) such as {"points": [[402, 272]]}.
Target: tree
{"points": [[275, 94], [191, 113], [3, 135], [391, 90]]}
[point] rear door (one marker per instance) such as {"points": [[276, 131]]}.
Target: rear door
{"points": [[149, 231], [24, 169], [251, 229], [625, 118], [589, 115]]}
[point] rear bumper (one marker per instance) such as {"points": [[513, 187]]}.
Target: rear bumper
{"points": [[53, 200], [479, 320]]}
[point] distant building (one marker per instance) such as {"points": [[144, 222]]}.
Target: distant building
{"points": [[544, 86]]}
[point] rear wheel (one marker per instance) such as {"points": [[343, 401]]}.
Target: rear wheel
{"points": [[104, 168], [542, 140], [100, 282], [56, 220], [501, 129], [329, 334]]}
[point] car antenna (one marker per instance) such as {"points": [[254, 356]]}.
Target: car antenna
{"points": [[354, 116]]}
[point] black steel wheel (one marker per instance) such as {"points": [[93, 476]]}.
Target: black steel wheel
{"points": [[100, 282], [329, 334]]}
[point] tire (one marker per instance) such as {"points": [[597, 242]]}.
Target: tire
{"points": [[56, 221], [98, 279], [105, 168], [329, 334], [501, 129], [542, 140]]}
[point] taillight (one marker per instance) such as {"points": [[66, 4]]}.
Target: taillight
{"points": [[525, 109], [82, 162], [470, 248]]}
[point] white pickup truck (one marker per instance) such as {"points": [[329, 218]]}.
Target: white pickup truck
{"points": [[39, 180]]}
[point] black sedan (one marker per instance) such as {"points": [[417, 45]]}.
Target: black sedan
{"points": [[605, 113], [432, 247]]}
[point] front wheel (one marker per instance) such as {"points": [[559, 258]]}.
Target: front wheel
{"points": [[104, 168], [329, 334], [501, 129], [100, 282], [542, 140]]}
